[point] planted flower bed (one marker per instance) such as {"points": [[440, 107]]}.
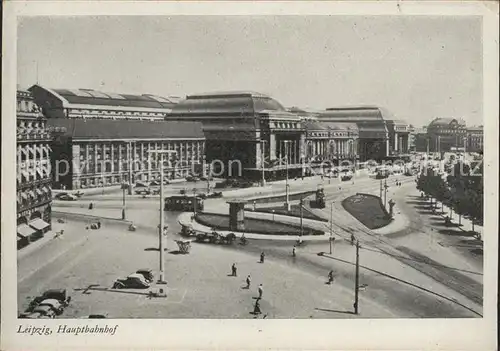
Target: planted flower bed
{"points": [[294, 212], [252, 225], [367, 209]]}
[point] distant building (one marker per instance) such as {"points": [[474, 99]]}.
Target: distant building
{"points": [[475, 139], [100, 152], [93, 104], [33, 185], [446, 134], [373, 142], [421, 140]]}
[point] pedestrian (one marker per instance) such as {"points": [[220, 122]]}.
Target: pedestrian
{"points": [[260, 288], [249, 280], [262, 255], [98, 224], [91, 206], [293, 251], [352, 239], [256, 308], [330, 277], [233, 270]]}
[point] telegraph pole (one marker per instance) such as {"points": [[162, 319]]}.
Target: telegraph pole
{"points": [[356, 287]]}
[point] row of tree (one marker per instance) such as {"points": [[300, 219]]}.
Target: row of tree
{"points": [[461, 190]]}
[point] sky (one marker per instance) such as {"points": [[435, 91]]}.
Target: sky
{"points": [[416, 67]]}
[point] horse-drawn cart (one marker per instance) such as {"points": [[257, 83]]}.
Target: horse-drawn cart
{"points": [[215, 238]]}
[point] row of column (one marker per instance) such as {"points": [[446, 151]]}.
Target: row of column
{"points": [[133, 149]]}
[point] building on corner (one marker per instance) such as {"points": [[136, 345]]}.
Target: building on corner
{"points": [[33, 181]]}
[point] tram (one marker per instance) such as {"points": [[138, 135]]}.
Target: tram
{"points": [[182, 203]]}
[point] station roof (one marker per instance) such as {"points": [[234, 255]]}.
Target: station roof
{"points": [[445, 122], [312, 125], [342, 126], [236, 103], [354, 114], [80, 128], [91, 97]]}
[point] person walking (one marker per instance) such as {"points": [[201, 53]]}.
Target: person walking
{"points": [[330, 277], [234, 270], [260, 289], [249, 280], [352, 239], [293, 251], [262, 256], [256, 308]]}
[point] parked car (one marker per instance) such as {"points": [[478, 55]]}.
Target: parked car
{"points": [[48, 305], [192, 178], [345, 174], [133, 281], [67, 197], [143, 191], [146, 273], [157, 182]]}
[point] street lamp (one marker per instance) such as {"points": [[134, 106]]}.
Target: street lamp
{"points": [[124, 187], [162, 219]]}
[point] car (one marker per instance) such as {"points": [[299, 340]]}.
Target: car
{"points": [[146, 273], [67, 197], [143, 191], [192, 178], [155, 191], [157, 182], [48, 305], [345, 175], [133, 281]]}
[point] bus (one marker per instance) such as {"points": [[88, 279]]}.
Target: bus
{"points": [[183, 203]]}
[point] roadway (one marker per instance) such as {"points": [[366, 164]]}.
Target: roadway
{"points": [[408, 274]]}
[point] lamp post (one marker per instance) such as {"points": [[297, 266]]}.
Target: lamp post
{"points": [[124, 187], [162, 229], [301, 217]]}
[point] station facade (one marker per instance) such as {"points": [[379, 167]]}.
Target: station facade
{"points": [[446, 134], [103, 139], [33, 178]]}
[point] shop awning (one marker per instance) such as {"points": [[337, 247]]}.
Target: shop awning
{"points": [[24, 230], [38, 224]]}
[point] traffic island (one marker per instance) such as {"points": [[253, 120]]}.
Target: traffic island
{"points": [[253, 225], [368, 209]]}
